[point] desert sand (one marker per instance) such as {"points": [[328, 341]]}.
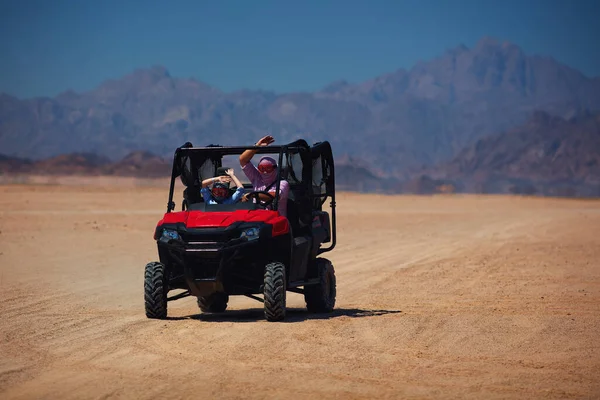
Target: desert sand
{"points": [[438, 297]]}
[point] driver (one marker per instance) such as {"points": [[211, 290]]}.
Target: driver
{"points": [[219, 193], [263, 178]]}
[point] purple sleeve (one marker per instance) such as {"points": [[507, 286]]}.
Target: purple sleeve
{"points": [[284, 190], [252, 173]]}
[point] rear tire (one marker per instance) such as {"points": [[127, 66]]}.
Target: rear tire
{"points": [[321, 298], [155, 290], [274, 291], [215, 303]]}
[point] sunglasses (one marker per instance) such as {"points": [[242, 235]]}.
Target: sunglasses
{"points": [[266, 168], [219, 192]]}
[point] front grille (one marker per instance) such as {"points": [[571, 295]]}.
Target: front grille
{"points": [[203, 247], [203, 268], [202, 251], [207, 235]]}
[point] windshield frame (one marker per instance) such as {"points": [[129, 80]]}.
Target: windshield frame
{"points": [[215, 154]]}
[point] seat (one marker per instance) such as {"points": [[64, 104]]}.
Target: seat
{"points": [[192, 195], [297, 215], [292, 216]]}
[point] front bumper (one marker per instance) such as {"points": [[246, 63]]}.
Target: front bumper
{"points": [[205, 267]]}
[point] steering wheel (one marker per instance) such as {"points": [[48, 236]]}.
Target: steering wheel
{"points": [[262, 203]]}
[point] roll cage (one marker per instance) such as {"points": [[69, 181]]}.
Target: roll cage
{"points": [[309, 171]]}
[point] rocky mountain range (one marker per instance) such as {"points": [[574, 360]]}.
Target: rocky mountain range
{"points": [[403, 126], [397, 122]]}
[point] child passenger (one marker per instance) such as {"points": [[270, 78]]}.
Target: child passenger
{"points": [[219, 193]]}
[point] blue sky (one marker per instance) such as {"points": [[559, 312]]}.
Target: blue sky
{"points": [[47, 47]]}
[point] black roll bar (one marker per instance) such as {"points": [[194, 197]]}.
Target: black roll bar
{"points": [[331, 193], [281, 149], [231, 150], [278, 179], [171, 203]]}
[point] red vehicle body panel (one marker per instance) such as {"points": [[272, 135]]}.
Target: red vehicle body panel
{"points": [[200, 219]]}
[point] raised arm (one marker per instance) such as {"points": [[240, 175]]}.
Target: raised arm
{"points": [[247, 155], [235, 179], [209, 181]]}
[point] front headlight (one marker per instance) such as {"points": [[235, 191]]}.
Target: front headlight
{"points": [[169, 234], [250, 233]]}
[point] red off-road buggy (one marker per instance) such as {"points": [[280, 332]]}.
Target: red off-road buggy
{"points": [[213, 251]]}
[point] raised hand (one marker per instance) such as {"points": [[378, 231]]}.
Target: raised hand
{"points": [[265, 141], [247, 155], [230, 172]]}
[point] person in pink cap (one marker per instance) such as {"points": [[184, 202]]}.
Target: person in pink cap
{"points": [[264, 176]]}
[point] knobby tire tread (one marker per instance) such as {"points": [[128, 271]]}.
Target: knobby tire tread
{"points": [[274, 292], [155, 290], [317, 298]]}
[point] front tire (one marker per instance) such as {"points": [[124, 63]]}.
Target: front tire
{"points": [[155, 290], [320, 298], [274, 291], [215, 303]]}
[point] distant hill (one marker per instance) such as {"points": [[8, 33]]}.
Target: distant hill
{"points": [[136, 164], [72, 164], [397, 122], [547, 155], [140, 164], [351, 174], [355, 175], [10, 164]]}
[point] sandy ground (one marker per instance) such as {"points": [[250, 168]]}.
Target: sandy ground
{"points": [[438, 297]]}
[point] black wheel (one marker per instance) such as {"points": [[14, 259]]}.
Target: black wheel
{"points": [[274, 291], [155, 290], [321, 298], [215, 303]]}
